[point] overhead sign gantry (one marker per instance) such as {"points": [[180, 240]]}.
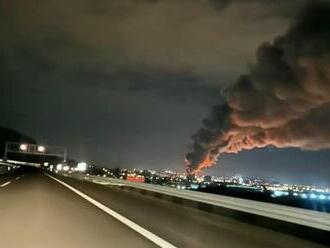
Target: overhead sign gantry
{"points": [[35, 150]]}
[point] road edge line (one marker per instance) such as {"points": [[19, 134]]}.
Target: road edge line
{"points": [[147, 234], [5, 184]]}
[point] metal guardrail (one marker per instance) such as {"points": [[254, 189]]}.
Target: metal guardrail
{"points": [[304, 217], [11, 163]]}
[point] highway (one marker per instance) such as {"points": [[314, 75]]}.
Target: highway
{"points": [[38, 211]]}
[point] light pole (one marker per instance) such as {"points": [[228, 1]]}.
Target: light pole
{"points": [[6, 150]]}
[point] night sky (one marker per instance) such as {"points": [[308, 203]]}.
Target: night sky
{"points": [[128, 82]]}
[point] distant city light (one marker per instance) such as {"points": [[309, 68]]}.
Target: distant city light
{"points": [[312, 196], [59, 167], [23, 147], [181, 187], [46, 164], [278, 193], [41, 149], [82, 167], [194, 186], [66, 168], [304, 196], [322, 197]]}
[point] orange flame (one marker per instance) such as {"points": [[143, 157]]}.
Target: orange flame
{"points": [[206, 163]]}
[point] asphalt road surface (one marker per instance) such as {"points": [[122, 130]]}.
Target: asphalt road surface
{"points": [[37, 211]]}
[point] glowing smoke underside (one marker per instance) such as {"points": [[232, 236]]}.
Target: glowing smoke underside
{"points": [[284, 101]]}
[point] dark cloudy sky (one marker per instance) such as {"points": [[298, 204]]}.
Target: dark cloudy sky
{"points": [[131, 80]]}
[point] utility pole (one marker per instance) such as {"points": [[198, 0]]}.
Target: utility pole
{"points": [[65, 153]]}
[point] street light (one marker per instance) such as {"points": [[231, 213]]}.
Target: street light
{"points": [[23, 147], [41, 149]]}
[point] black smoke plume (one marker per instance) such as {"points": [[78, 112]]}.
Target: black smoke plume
{"points": [[284, 100]]}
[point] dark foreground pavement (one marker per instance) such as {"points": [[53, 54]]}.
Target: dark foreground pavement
{"points": [[37, 211]]}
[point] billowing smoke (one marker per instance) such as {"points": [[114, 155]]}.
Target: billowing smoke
{"points": [[284, 100]]}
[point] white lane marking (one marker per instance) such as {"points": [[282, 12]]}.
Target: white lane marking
{"points": [[152, 237], [5, 184]]}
